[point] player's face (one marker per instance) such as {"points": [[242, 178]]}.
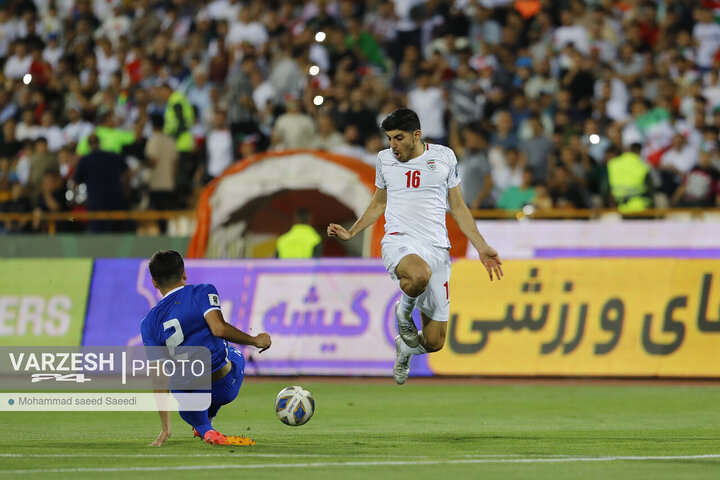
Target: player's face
{"points": [[403, 144]]}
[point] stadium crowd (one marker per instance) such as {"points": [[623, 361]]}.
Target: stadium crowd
{"points": [[135, 104]]}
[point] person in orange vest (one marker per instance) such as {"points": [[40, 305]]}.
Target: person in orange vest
{"points": [[302, 240]]}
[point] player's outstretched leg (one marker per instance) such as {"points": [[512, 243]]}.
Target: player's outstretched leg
{"points": [[401, 369], [414, 275], [224, 391], [214, 437], [198, 420], [211, 417], [406, 327]]}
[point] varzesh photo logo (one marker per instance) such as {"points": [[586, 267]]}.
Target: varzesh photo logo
{"points": [[104, 378]]}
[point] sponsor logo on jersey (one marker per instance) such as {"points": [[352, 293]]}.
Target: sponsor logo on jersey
{"points": [[214, 299]]}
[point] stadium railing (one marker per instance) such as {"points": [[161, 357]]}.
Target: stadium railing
{"points": [[51, 219]]}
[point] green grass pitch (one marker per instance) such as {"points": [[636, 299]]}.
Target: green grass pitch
{"points": [[376, 429]]}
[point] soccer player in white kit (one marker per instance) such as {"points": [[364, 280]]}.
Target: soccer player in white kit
{"points": [[417, 183]]}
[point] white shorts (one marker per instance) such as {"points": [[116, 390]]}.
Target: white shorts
{"points": [[434, 302]]}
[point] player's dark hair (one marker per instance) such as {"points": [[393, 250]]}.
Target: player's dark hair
{"points": [[401, 119], [302, 215], [166, 267]]}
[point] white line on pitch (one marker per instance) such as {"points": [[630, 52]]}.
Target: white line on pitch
{"points": [[243, 454], [363, 464]]}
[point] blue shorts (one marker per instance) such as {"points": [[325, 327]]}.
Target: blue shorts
{"points": [[226, 389]]}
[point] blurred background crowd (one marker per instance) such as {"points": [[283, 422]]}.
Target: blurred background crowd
{"points": [[136, 104]]}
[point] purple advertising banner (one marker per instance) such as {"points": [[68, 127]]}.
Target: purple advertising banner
{"points": [[326, 317]]}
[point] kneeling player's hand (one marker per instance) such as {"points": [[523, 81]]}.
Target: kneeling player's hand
{"points": [[164, 435], [262, 341]]}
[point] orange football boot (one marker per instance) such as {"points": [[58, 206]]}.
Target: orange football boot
{"points": [[214, 437]]}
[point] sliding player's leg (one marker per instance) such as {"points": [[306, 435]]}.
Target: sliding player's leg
{"points": [[224, 391], [199, 420]]}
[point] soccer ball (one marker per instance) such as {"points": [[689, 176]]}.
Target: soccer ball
{"points": [[294, 406]]}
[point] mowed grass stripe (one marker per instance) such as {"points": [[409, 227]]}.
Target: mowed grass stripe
{"points": [[504, 432], [396, 463]]}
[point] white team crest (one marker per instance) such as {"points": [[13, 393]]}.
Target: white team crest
{"points": [[431, 164], [214, 299]]}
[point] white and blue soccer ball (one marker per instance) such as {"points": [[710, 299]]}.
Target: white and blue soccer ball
{"points": [[294, 406]]}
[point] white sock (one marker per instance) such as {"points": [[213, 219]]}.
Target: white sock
{"points": [[419, 350], [407, 304]]}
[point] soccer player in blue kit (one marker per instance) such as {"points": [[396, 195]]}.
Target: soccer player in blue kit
{"points": [[189, 315]]}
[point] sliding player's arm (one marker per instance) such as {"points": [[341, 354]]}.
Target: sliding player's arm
{"points": [[460, 212], [160, 388], [369, 216], [164, 421], [221, 329]]}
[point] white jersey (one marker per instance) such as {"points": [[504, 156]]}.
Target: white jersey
{"points": [[417, 192]]}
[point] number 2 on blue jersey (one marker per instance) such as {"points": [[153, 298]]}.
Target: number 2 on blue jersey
{"points": [[175, 339]]}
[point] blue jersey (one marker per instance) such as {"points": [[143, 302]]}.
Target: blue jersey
{"points": [[179, 319]]}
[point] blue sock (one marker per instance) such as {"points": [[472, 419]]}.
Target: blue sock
{"points": [[198, 420]]}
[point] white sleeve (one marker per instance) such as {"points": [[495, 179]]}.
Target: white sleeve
{"points": [[453, 178], [379, 179]]}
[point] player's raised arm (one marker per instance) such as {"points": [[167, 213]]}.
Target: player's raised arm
{"points": [[221, 329], [369, 216], [460, 212]]}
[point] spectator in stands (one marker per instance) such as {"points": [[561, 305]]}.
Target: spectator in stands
{"points": [[198, 90], [629, 181], [516, 197], [41, 161], [241, 113], [162, 156], [51, 198], [293, 129], [27, 128], [67, 161], [49, 130], [706, 33], [111, 138], [179, 118], [474, 167], [8, 178], [632, 72], [352, 145], [537, 149], [428, 100], [10, 145], [675, 163], [18, 64], [105, 174], [19, 203], [302, 240], [219, 146], [564, 190], [701, 185], [359, 115], [504, 135], [77, 128], [327, 138]]}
